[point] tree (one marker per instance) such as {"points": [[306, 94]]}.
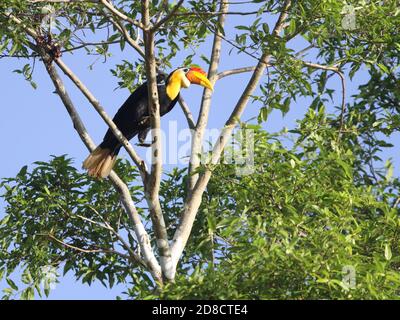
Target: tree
{"points": [[307, 215]]}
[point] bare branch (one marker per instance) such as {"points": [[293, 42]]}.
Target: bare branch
{"points": [[226, 73], [280, 24], [320, 66], [140, 232], [201, 124], [249, 69], [187, 113]]}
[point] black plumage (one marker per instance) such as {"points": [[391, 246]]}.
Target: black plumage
{"points": [[132, 118]]}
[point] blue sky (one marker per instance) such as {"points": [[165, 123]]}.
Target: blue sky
{"points": [[35, 125]]}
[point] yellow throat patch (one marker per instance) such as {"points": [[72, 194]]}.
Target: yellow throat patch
{"points": [[174, 84]]}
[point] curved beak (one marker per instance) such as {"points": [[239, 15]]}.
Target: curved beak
{"points": [[198, 76]]}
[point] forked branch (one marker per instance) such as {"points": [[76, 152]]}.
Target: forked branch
{"points": [[193, 201]]}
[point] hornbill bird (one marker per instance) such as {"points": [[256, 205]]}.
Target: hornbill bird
{"points": [[133, 118]]}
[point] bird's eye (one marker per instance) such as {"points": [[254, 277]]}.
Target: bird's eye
{"points": [[185, 70]]}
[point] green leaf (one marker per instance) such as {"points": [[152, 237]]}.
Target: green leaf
{"points": [[383, 68], [265, 28], [28, 294], [12, 284]]}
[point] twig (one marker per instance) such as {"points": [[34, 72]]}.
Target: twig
{"points": [[218, 13], [108, 227], [167, 17], [71, 246], [33, 55], [134, 44], [234, 71], [303, 51], [94, 250], [396, 203], [121, 15], [232, 43], [87, 44], [343, 109]]}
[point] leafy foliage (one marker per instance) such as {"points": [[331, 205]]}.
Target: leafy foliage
{"points": [[294, 228], [53, 210], [319, 217], [300, 221]]}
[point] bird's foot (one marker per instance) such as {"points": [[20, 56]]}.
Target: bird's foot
{"points": [[144, 144]]}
